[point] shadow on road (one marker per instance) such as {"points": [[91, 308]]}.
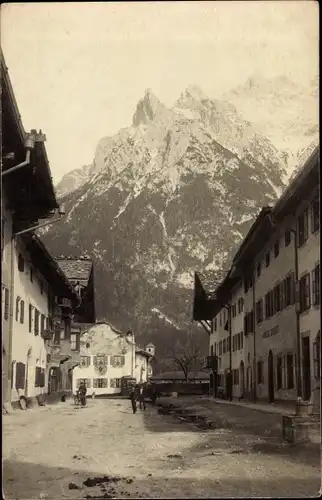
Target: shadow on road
{"points": [[25, 480]]}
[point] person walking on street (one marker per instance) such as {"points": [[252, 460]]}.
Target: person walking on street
{"points": [[142, 398], [133, 399], [82, 393]]}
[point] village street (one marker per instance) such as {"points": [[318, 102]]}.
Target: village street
{"points": [[49, 452]]}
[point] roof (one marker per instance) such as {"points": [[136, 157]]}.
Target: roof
{"points": [[76, 268], [139, 350], [179, 375], [209, 281], [150, 345]]}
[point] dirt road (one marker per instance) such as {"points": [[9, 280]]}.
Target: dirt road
{"points": [[50, 452]]}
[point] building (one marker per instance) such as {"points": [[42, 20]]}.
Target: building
{"points": [[38, 301], [43, 302], [28, 197], [108, 355], [274, 280]]}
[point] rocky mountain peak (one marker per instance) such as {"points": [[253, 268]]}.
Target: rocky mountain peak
{"points": [[147, 109]]}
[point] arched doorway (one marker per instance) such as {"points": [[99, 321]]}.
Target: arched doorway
{"points": [[270, 377], [242, 378]]}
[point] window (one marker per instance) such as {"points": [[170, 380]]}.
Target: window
{"points": [[276, 248], [240, 305], [259, 311], [30, 318], [87, 382], [287, 237], [41, 283], [220, 348], [100, 383], [277, 297], [220, 319], [31, 275], [241, 340], [73, 342], [315, 215], [20, 375], [224, 346], [238, 341], [260, 372], [259, 269], [17, 308], [279, 372], [6, 304], [228, 344], [85, 361], [22, 311], [302, 227], [288, 286], [37, 314], [305, 299], [117, 361], [234, 310], [269, 305], [42, 323], [249, 322], [248, 283], [39, 377], [115, 383], [316, 285], [21, 263], [215, 324], [317, 356], [234, 343], [267, 259], [290, 371]]}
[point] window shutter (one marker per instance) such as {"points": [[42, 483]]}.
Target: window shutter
{"points": [[17, 308], [22, 311], [30, 318], [308, 289], [6, 303], [94, 360], [20, 375], [292, 289], [314, 286], [77, 341]]}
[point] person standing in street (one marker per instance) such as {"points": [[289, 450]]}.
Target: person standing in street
{"points": [[142, 398], [133, 399]]}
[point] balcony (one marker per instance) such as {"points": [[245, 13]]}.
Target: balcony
{"points": [[211, 363], [65, 303], [47, 334]]}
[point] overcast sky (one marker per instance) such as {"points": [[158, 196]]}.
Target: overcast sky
{"points": [[78, 69]]}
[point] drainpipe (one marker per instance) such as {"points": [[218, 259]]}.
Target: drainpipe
{"points": [[254, 340], [29, 145], [11, 299]]}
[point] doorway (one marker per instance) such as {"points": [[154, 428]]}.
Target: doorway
{"points": [[306, 368], [270, 377], [242, 378]]}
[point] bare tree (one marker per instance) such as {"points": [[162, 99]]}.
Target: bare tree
{"points": [[186, 356]]}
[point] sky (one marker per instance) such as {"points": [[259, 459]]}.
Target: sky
{"points": [[79, 69]]}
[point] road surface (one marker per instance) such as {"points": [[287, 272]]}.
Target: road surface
{"points": [[50, 452]]}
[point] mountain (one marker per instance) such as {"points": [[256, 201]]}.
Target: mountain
{"points": [[173, 193], [73, 180], [284, 111]]}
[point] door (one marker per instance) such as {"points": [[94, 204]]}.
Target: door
{"points": [[306, 368], [242, 378], [270, 377]]}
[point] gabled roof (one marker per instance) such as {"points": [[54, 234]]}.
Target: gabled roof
{"points": [[76, 268], [139, 350], [150, 345]]}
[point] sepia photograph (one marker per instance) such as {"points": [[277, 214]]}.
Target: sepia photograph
{"points": [[160, 249]]}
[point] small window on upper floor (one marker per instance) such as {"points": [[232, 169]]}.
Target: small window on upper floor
{"points": [[287, 237], [268, 259], [276, 248], [259, 269], [31, 275], [21, 263]]}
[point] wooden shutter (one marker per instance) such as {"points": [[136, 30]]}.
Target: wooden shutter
{"points": [[6, 303], [17, 308], [22, 311], [42, 378], [30, 317], [20, 375]]}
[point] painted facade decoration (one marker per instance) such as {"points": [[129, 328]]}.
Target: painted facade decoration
{"points": [[107, 355]]}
